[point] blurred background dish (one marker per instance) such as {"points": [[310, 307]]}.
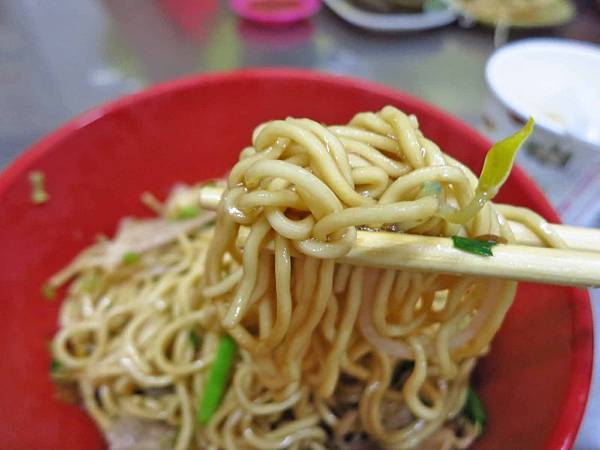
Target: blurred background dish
{"points": [[393, 15], [517, 13], [390, 6], [275, 12], [405, 15]]}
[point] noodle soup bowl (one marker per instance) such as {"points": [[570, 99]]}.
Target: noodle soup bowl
{"points": [[534, 381]]}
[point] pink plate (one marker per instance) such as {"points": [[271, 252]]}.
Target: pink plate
{"points": [[275, 12], [534, 382]]}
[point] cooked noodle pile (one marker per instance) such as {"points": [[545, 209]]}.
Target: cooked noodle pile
{"points": [[516, 12], [330, 355]]}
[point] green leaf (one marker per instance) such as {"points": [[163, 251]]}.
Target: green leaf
{"points": [[217, 380], [500, 158], [477, 247], [48, 291], [188, 212], [195, 340], [474, 409], [131, 257], [55, 366]]}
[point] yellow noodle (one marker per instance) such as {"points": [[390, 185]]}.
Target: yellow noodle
{"points": [[320, 342]]}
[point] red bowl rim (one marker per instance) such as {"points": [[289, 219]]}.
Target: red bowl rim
{"points": [[567, 425]]}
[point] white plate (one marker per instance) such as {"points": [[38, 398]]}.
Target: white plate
{"points": [[388, 21], [556, 81]]}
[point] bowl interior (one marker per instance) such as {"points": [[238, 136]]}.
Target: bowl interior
{"points": [[534, 381]]}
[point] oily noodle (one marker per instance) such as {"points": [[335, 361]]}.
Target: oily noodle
{"points": [[322, 344]]}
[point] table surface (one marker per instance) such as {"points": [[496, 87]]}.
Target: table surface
{"points": [[58, 59]]}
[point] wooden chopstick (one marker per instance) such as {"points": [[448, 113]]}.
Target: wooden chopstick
{"points": [[512, 262], [579, 265], [576, 238]]}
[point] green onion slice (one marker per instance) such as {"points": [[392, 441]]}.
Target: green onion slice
{"points": [[38, 190], [218, 377], [55, 366], [188, 212], [195, 340], [48, 291], [131, 257], [496, 169], [475, 246], [474, 409]]}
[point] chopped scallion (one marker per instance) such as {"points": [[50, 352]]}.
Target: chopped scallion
{"points": [[496, 169], [131, 257], [195, 340], [474, 409], [48, 291], [218, 377], [38, 190], [477, 247], [188, 212], [500, 158], [55, 366]]}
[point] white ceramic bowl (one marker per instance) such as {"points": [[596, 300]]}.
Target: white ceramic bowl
{"points": [[556, 81]]}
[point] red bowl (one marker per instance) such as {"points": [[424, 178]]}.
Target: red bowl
{"points": [[534, 382]]}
